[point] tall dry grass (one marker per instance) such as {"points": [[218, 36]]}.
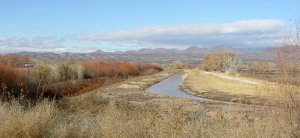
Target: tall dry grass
{"points": [[49, 119], [288, 88], [11, 76], [12, 79]]}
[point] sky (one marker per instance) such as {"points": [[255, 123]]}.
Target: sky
{"points": [[115, 25]]}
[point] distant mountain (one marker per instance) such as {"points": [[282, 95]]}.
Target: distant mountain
{"points": [[36, 54], [223, 48], [194, 49], [263, 53], [190, 50], [153, 51], [215, 49], [97, 52], [159, 51]]}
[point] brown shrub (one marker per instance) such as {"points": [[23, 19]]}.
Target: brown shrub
{"points": [[12, 81], [40, 74], [79, 87], [259, 67], [98, 68], [69, 72], [11, 76], [148, 69], [14, 60], [220, 62]]}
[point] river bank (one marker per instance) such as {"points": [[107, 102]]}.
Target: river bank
{"points": [[132, 92], [126, 110], [219, 86]]}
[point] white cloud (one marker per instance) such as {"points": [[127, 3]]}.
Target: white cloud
{"points": [[34, 42], [259, 32], [248, 33], [240, 27]]}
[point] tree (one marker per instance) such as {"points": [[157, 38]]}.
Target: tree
{"points": [[259, 67], [220, 62]]}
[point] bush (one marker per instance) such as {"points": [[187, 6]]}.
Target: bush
{"points": [[68, 72], [98, 68], [148, 69], [259, 67], [11, 76], [40, 74], [70, 89], [288, 57], [12, 79], [220, 62], [14, 60], [49, 79]]}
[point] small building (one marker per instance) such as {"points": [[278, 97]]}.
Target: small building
{"points": [[28, 65]]}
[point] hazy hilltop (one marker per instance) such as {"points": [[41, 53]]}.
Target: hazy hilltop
{"points": [[161, 54]]}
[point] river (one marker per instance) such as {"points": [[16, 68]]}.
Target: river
{"points": [[171, 87]]}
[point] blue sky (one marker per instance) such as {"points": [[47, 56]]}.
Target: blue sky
{"points": [[76, 26]]}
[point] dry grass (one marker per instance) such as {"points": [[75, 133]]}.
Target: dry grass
{"points": [[201, 82], [48, 119], [109, 119], [239, 89]]}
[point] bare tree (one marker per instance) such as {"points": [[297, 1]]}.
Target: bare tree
{"points": [[288, 63]]}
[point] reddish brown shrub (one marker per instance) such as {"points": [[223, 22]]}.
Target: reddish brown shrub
{"points": [[72, 89], [12, 79], [14, 60], [11, 76], [148, 69], [98, 68]]}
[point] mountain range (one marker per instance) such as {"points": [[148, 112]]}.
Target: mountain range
{"points": [[263, 53]]}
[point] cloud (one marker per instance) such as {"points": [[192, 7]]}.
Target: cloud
{"points": [[248, 33], [34, 42], [259, 32]]}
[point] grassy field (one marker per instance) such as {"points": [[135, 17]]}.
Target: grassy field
{"points": [[226, 87], [125, 110], [49, 119], [118, 111]]}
